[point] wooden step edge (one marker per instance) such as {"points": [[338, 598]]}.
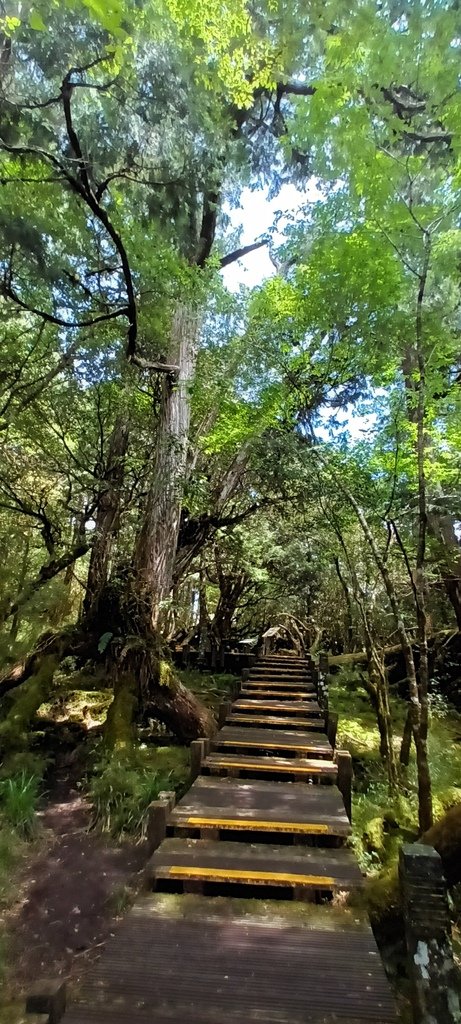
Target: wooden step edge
{"points": [[251, 877], [326, 768], [259, 825], [274, 722]]}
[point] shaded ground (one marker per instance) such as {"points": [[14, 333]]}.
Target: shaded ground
{"points": [[69, 894]]}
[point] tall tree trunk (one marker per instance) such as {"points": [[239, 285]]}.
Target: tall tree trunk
{"points": [[448, 553], [424, 777], [377, 685], [156, 543], [348, 618], [21, 581], [405, 642], [204, 618], [107, 514]]}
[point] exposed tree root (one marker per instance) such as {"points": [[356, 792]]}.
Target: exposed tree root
{"points": [[133, 651]]}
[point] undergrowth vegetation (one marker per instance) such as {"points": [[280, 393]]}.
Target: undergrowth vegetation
{"points": [[381, 823], [122, 789]]}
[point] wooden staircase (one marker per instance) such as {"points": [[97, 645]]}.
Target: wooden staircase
{"points": [[263, 827]]}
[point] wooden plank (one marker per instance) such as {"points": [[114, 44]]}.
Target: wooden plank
{"points": [[289, 765], [274, 721], [269, 863], [262, 806], [214, 965], [272, 739], [293, 707], [259, 694]]}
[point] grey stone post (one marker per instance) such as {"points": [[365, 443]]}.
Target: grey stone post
{"points": [[322, 684], [428, 934]]}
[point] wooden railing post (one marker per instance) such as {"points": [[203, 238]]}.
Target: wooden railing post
{"points": [[344, 762], [223, 711], [157, 818], [435, 993], [331, 727], [197, 754]]}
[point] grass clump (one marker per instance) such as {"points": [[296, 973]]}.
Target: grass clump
{"points": [[18, 802], [121, 789]]}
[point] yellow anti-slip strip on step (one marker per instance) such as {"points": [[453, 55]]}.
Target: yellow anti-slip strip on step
{"points": [[316, 767], [251, 824], [236, 875]]}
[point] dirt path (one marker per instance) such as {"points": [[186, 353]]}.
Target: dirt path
{"points": [[69, 894]]}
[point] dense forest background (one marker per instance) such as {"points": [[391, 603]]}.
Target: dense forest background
{"points": [[181, 463]]}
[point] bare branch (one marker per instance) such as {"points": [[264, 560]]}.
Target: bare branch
{"points": [[239, 253]]}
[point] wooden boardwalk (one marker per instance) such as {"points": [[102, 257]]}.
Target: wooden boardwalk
{"points": [[243, 922]]}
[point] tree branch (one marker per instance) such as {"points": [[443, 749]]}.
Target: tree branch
{"points": [[47, 572], [239, 253]]}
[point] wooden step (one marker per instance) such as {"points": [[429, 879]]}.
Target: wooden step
{"points": [[266, 684], [205, 960], [301, 769], [179, 862], [216, 806], [277, 707], [289, 673], [274, 721], [257, 693], [308, 744], [275, 659]]}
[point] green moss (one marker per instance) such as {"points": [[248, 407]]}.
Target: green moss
{"points": [[119, 732], [77, 705], [209, 687], [166, 674], [380, 823], [27, 700]]}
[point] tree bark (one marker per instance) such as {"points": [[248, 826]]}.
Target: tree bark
{"points": [[107, 514], [156, 543], [448, 551], [349, 620]]}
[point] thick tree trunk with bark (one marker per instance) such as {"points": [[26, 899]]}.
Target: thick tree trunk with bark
{"points": [[107, 514], [157, 539], [348, 618], [448, 552]]}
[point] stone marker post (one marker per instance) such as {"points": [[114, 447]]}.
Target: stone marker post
{"points": [[428, 934], [322, 683]]}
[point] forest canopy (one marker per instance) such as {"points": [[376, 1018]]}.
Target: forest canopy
{"points": [[182, 462]]}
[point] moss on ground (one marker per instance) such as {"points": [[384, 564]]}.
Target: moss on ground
{"points": [[210, 687], [381, 823]]}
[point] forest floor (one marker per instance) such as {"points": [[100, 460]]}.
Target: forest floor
{"points": [[65, 886], [68, 893]]}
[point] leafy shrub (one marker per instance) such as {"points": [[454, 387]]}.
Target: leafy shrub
{"points": [[18, 802], [121, 790]]}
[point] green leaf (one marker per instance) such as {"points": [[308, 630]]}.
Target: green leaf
{"points": [[36, 22], [104, 642]]}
